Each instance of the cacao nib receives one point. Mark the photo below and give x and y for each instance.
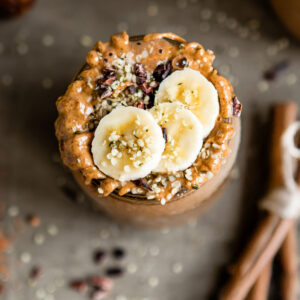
(140, 73)
(118, 253)
(274, 71)
(109, 81)
(99, 256)
(35, 273)
(139, 104)
(101, 282)
(142, 182)
(104, 82)
(109, 72)
(79, 286)
(33, 220)
(109, 76)
(104, 93)
(236, 107)
(164, 132)
(162, 71)
(146, 88)
(98, 294)
(114, 271)
(151, 102)
(131, 89)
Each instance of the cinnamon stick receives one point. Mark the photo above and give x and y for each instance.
(272, 229)
(261, 287)
(289, 260)
(260, 290)
(289, 263)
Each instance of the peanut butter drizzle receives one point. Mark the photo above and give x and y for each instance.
(76, 105)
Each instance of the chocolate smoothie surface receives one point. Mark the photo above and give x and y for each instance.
(128, 71)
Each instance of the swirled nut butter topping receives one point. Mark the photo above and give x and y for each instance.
(146, 115)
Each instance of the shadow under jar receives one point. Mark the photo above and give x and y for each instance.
(189, 202)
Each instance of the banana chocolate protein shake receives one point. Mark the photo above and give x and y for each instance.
(149, 128)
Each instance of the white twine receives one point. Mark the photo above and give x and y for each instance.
(285, 201)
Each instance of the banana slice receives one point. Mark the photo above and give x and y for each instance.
(127, 144)
(197, 93)
(183, 134)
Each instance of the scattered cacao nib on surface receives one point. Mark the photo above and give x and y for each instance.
(11, 8)
(114, 271)
(131, 89)
(274, 71)
(79, 286)
(118, 253)
(33, 220)
(35, 273)
(140, 73)
(164, 132)
(98, 294)
(101, 282)
(139, 104)
(162, 71)
(99, 256)
(236, 107)
(142, 182)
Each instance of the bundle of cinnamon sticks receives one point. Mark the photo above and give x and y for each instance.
(274, 235)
